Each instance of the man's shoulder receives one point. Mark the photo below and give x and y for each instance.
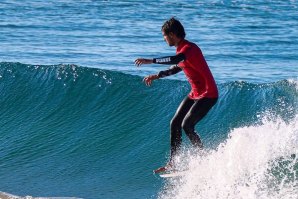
(189, 46)
(192, 44)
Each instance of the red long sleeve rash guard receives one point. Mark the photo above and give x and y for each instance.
(190, 59)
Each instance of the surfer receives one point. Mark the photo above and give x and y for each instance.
(203, 95)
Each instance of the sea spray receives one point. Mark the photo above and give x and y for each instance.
(258, 161)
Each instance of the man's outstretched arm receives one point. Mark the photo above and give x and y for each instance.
(171, 71)
(170, 59)
(163, 60)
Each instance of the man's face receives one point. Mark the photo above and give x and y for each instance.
(169, 38)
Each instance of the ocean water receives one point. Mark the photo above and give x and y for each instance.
(77, 121)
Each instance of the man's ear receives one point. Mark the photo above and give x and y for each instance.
(172, 35)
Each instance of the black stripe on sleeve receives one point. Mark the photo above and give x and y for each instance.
(170, 59)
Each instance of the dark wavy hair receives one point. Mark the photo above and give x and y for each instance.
(173, 25)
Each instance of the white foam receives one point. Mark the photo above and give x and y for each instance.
(254, 162)
(294, 82)
(4, 195)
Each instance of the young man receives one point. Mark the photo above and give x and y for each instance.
(203, 95)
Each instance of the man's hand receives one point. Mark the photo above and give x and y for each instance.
(141, 61)
(148, 80)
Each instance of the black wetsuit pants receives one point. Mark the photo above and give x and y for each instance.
(188, 114)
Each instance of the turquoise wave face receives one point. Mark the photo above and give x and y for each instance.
(84, 132)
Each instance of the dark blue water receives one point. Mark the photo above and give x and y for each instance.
(242, 40)
(76, 119)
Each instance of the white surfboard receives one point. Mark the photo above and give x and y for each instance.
(173, 174)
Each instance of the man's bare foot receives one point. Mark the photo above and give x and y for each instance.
(168, 167)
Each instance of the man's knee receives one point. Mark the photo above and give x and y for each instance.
(187, 126)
